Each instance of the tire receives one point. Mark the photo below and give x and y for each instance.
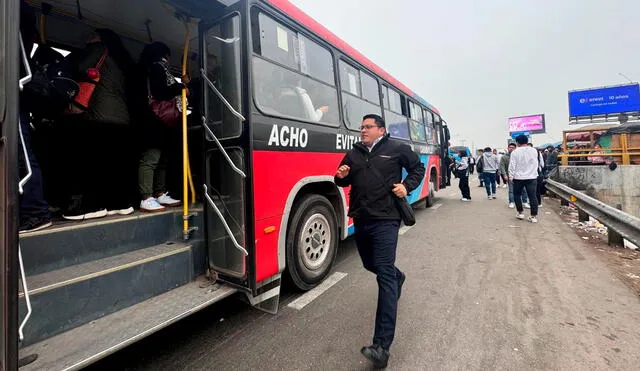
(430, 200)
(312, 241)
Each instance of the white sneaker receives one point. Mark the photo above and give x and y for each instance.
(494, 196)
(151, 205)
(504, 186)
(488, 197)
(520, 216)
(526, 205)
(533, 219)
(126, 211)
(465, 199)
(166, 200)
(511, 205)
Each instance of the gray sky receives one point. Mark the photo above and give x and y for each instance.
(481, 62)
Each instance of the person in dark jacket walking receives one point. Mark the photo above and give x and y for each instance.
(377, 220)
(161, 85)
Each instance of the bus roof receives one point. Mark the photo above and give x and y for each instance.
(300, 16)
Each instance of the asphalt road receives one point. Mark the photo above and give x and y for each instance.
(484, 291)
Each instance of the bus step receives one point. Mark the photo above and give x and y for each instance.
(70, 243)
(93, 341)
(74, 295)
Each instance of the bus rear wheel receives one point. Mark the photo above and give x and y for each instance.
(312, 241)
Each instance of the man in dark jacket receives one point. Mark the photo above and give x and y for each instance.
(377, 220)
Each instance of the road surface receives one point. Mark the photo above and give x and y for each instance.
(484, 291)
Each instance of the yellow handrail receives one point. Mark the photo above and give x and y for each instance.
(185, 150)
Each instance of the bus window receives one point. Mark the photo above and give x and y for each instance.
(226, 56)
(429, 124)
(356, 102)
(396, 122)
(415, 123)
(370, 90)
(293, 76)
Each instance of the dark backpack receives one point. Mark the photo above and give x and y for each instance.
(480, 164)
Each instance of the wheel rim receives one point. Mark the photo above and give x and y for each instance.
(315, 241)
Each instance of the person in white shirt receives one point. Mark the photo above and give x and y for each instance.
(525, 165)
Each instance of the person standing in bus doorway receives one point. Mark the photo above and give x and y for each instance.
(161, 85)
(373, 169)
(34, 210)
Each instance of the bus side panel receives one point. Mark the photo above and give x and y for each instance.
(275, 174)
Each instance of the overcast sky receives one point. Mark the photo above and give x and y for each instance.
(481, 62)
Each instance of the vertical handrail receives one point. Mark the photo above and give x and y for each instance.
(23, 277)
(185, 149)
(27, 300)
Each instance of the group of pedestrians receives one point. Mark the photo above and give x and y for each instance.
(521, 169)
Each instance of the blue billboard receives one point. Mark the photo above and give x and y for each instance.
(602, 101)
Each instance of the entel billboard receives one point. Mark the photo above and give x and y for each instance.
(604, 101)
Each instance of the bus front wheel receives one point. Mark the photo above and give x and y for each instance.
(312, 241)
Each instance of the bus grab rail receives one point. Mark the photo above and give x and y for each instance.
(626, 225)
(25, 80)
(224, 152)
(224, 222)
(222, 98)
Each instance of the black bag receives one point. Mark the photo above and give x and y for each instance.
(402, 204)
(480, 164)
(52, 87)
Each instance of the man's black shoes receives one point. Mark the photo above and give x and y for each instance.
(377, 355)
(400, 283)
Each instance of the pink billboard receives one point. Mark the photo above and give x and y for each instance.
(533, 124)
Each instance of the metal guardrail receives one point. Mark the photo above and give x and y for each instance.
(625, 225)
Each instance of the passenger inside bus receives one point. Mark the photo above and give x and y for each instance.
(34, 210)
(97, 145)
(156, 135)
(92, 155)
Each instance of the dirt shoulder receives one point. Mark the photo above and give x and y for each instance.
(624, 262)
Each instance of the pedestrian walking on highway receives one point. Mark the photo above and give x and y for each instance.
(489, 169)
(504, 171)
(462, 172)
(373, 169)
(478, 163)
(524, 168)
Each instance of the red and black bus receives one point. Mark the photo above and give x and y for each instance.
(281, 100)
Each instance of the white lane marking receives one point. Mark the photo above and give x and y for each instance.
(436, 206)
(404, 229)
(310, 296)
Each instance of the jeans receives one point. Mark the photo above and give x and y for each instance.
(152, 173)
(489, 182)
(32, 203)
(377, 241)
(531, 186)
(464, 187)
(525, 199)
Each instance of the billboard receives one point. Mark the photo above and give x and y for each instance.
(533, 124)
(604, 101)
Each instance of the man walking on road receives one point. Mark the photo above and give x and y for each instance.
(504, 171)
(373, 169)
(525, 166)
(489, 169)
